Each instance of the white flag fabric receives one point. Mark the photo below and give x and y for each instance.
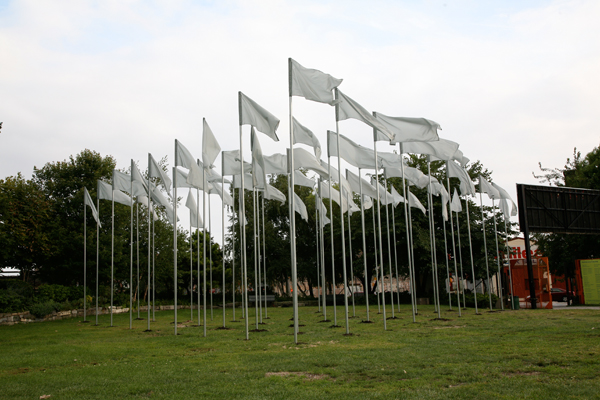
(347, 108)
(414, 202)
(210, 146)
(438, 189)
(276, 164)
(302, 180)
(139, 183)
(258, 163)
(410, 129)
(442, 149)
(237, 181)
(121, 181)
(87, 201)
(324, 221)
(300, 207)
(106, 192)
(274, 194)
(504, 195)
(311, 84)
(156, 172)
(225, 196)
(385, 159)
(411, 174)
(367, 202)
(183, 158)
(455, 171)
(303, 159)
(144, 201)
(354, 182)
(335, 175)
(182, 180)
(383, 199)
(505, 208)
(486, 187)
(253, 114)
(396, 196)
(230, 161)
(195, 219)
(158, 198)
(355, 154)
(305, 136)
(335, 196)
(455, 205)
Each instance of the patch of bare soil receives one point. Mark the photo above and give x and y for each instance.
(306, 375)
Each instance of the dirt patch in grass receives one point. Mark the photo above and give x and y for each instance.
(306, 375)
(521, 373)
(449, 327)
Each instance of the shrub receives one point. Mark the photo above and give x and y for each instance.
(15, 295)
(40, 310)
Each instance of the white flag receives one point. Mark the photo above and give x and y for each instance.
(485, 187)
(225, 196)
(410, 129)
(121, 181)
(230, 161)
(335, 175)
(441, 149)
(414, 202)
(144, 201)
(455, 205)
(383, 199)
(300, 207)
(311, 84)
(253, 114)
(367, 202)
(305, 136)
(504, 195)
(303, 159)
(87, 201)
(367, 188)
(237, 181)
(348, 108)
(355, 154)
(258, 163)
(158, 198)
(302, 180)
(156, 172)
(411, 174)
(274, 194)
(182, 178)
(105, 192)
(396, 196)
(139, 183)
(335, 196)
(276, 164)
(210, 146)
(455, 171)
(190, 203)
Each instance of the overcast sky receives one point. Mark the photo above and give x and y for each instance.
(514, 82)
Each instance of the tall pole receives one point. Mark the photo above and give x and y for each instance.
(453, 246)
(131, 262)
(379, 228)
(322, 241)
(205, 188)
(292, 211)
(233, 250)
(512, 306)
(412, 256)
(364, 241)
(191, 270)
(243, 214)
(97, 253)
(408, 237)
(351, 255)
(258, 259)
(387, 224)
(460, 260)
(153, 272)
(137, 244)
(318, 240)
(85, 263)
(436, 286)
(487, 269)
(210, 257)
(149, 244)
(255, 255)
(198, 253)
(471, 252)
(331, 236)
(223, 243)
(264, 254)
(112, 257)
(175, 241)
(499, 279)
(376, 259)
(396, 256)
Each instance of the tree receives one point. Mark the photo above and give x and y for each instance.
(24, 221)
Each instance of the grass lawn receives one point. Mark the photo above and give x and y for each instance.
(537, 354)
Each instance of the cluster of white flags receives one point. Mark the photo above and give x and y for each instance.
(411, 135)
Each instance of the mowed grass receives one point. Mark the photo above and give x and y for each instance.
(535, 354)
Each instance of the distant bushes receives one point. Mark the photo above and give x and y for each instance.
(18, 296)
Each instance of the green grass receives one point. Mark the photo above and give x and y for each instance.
(535, 354)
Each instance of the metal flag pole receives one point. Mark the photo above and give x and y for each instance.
(453, 245)
(112, 256)
(396, 257)
(204, 185)
(131, 260)
(242, 217)
(210, 264)
(436, 286)
(153, 272)
(191, 270)
(499, 279)
(471, 252)
(343, 233)
(387, 224)
(223, 243)
(198, 253)
(233, 249)
(149, 244)
(322, 242)
(447, 263)
(137, 244)
(318, 239)
(408, 236)
(364, 241)
(379, 227)
(255, 255)
(376, 258)
(460, 260)
(331, 236)
(85, 263)
(292, 211)
(485, 246)
(412, 256)
(175, 281)
(258, 258)
(264, 254)
(97, 252)
(350, 253)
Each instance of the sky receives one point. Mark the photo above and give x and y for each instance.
(513, 82)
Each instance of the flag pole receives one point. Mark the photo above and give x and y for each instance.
(485, 243)
(318, 243)
(292, 210)
(387, 224)
(460, 260)
(255, 255)
(376, 259)
(350, 254)
(97, 251)
(379, 227)
(331, 237)
(243, 210)
(137, 243)
(264, 254)
(131, 259)
(412, 257)
(84, 260)
(204, 186)
(342, 230)
(112, 255)
(499, 279)
(191, 270)
(453, 244)
(434, 271)
(408, 235)
(210, 264)
(175, 282)
(512, 306)
(223, 242)
(233, 248)
(322, 241)
(198, 285)
(396, 256)
(364, 241)
(150, 210)
(258, 258)
(471, 252)
(153, 272)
